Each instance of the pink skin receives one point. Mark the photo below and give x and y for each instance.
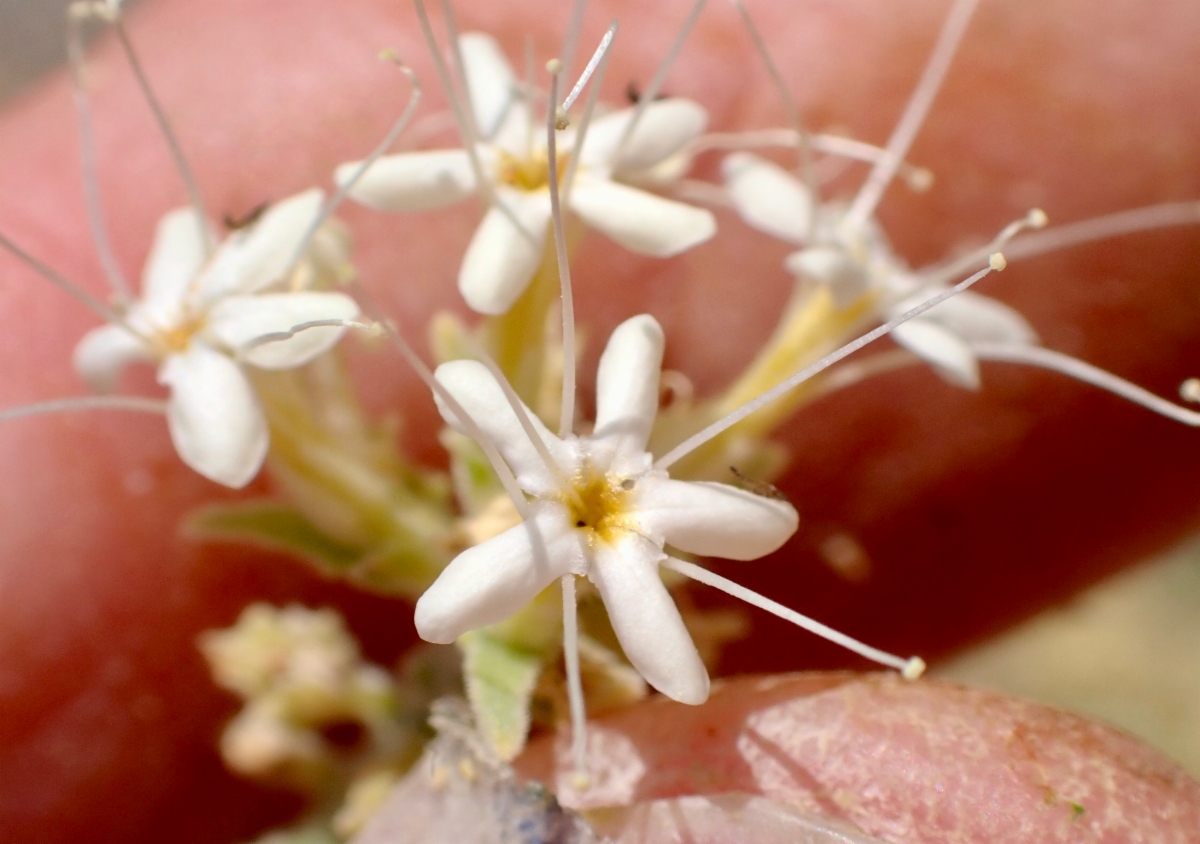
(975, 509)
(929, 762)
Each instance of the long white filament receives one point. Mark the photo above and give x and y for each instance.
(721, 425)
(651, 91)
(855, 372)
(1099, 228)
(164, 125)
(87, 299)
(300, 328)
(917, 178)
(571, 41)
(589, 108)
(574, 679)
(518, 408)
(906, 130)
(406, 116)
(137, 404)
(462, 120)
(938, 275)
(597, 57)
(76, 15)
(911, 668)
(1087, 373)
(501, 468)
(459, 65)
(807, 172)
(566, 423)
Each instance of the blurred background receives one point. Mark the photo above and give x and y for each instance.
(1126, 651)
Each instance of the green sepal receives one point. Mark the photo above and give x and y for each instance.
(272, 525)
(402, 566)
(500, 679)
(475, 483)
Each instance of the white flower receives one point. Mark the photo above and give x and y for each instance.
(857, 260)
(200, 320)
(501, 258)
(602, 511)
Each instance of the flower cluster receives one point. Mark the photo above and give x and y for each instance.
(243, 330)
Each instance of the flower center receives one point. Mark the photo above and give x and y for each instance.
(174, 339)
(528, 174)
(598, 503)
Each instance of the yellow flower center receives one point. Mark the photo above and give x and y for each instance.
(599, 503)
(176, 338)
(528, 174)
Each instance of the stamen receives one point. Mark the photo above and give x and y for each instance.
(571, 41)
(91, 302)
(854, 372)
(911, 668)
(518, 408)
(597, 57)
(806, 172)
(502, 470)
(1189, 390)
(937, 275)
(1110, 225)
(459, 65)
(567, 417)
(331, 205)
(721, 425)
(574, 680)
(1088, 374)
(76, 15)
(133, 403)
(280, 336)
(918, 179)
(466, 127)
(589, 108)
(914, 113)
(466, 123)
(164, 126)
(651, 93)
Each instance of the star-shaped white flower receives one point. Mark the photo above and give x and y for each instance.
(502, 258)
(599, 509)
(853, 260)
(200, 320)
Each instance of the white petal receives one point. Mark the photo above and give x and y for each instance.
(103, 353)
(665, 128)
(490, 80)
(252, 258)
(473, 386)
(489, 582)
(214, 417)
(175, 259)
(412, 181)
(646, 620)
(627, 382)
(640, 221)
(980, 319)
(846, 278)
(768, 197)
(501, 259)
(716, 520)
(236, 322)
(948, 353)
(514, 134)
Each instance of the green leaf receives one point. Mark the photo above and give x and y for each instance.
(500, 679)
(475, 484)
(274, 526)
